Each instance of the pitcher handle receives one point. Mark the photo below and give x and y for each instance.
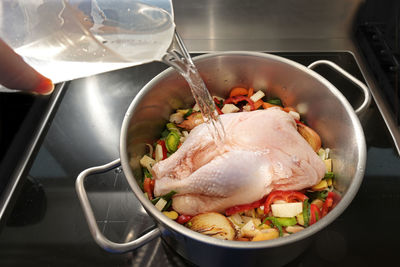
(354, 80)
(100, 239)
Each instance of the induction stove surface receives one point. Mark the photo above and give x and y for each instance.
(85, 133)
(23, 120)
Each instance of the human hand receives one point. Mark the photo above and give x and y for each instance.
(16, 74)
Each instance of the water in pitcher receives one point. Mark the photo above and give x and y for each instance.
(70, 39)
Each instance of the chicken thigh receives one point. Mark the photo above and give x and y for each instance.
(262, 152)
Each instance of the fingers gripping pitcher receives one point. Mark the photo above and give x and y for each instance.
(69, 39)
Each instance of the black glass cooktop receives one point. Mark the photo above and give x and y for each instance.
(23, 119)
(46, 226)
(13, 110)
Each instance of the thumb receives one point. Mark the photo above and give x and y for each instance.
(15, 73)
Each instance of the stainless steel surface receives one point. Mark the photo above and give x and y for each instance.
(98, 236)
(328, 112)
(277, 26)
(367, 96)
(272, 25)
(268, 20)
(381, 103)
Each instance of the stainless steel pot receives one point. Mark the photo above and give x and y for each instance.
(323, 107)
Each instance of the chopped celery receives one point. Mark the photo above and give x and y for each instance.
(172, 141)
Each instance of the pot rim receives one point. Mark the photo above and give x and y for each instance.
(307, 232)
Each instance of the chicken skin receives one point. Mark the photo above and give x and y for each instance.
(262, 152)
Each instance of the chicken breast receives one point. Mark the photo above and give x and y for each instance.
(262, 152)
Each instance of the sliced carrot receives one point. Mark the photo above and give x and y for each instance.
(238, 91)
(251, 92)
(268, 105)
(258, 104)
(288, 109)
(147, 186)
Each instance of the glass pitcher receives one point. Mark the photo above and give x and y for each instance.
(69, 39)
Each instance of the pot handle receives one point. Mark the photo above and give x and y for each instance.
(100, 239)
(354, 80)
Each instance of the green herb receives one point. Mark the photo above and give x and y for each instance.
(147, 173)
(167, 205)
(219, 103)
(155, 200)
(189, 224)
(275, 101)
(318, 194)
(167, 197)
(279, 229)
(306, 212)
(164, 134)
(188, 113)
(330, 175)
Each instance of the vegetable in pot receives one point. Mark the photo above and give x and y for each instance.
(281, 212)
(288, 196)
(172, 141)
(213, 224)
(275, 101)
(310, 135)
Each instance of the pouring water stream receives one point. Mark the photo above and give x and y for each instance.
(178, 57)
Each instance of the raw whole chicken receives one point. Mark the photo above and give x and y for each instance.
(262, 152)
